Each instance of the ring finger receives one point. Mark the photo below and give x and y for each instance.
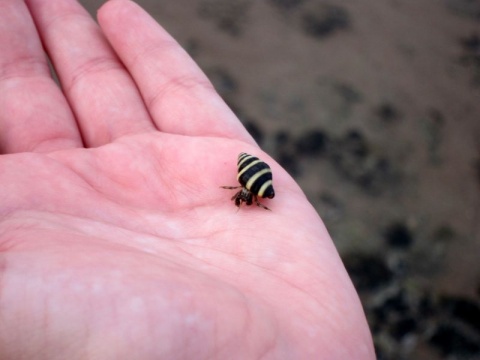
(34, 115)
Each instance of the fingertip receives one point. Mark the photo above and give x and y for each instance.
(112, 6)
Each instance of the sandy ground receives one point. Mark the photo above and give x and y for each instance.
(374, 107)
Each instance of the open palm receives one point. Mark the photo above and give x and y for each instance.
(116, 240)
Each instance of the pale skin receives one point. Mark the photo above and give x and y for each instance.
(116, 240)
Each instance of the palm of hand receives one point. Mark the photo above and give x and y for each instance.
(138, 229)
(131, 250)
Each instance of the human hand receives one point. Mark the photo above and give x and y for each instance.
(116, 241)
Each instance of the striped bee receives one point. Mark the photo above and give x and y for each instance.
(255, 178)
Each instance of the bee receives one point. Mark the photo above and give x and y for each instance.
(255, 178)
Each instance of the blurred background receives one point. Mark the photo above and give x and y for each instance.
(374, 108)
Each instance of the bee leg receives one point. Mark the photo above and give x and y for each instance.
(235, 197)
(238, 203)
(231, 187)
(261, 205)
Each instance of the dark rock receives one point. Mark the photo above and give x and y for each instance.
(403, 327)
(325, 21)
(426, 306)
(285, 154)
(289, 162)
(465, 310)
(375, 176)
(352, 157)
(254, 129)
(228, 16)
(368, 272)
(450, 340)
(396, 304)
(387, 112)
(398, 235)
(282, 138)
(354, 143)
(312, 143)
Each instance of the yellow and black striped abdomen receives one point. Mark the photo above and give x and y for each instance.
(255, 175)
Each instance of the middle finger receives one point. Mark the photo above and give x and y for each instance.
(101, 93)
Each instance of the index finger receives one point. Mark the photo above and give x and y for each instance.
(178, 95)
